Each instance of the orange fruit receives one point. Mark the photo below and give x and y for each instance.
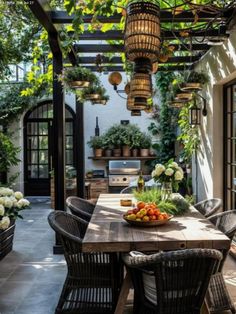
(140, 205)
(145, 218)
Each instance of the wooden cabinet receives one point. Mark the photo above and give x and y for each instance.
(97, 186)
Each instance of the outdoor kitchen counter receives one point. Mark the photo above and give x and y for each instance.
(108, 232)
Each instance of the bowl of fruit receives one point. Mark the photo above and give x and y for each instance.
(146, 215)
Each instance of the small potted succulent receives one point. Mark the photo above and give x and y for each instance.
(97, 143)
(79, 77)
(145, 144)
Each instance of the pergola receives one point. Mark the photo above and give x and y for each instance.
(51, 20)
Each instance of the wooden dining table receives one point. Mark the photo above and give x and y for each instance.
(109, 232)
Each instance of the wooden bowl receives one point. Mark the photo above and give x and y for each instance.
(152, 223)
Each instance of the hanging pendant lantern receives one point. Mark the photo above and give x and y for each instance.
(141, 86)
(138, 105)
(194, 115)
(142, 31)
(135, 113)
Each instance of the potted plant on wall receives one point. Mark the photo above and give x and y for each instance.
(195, 81)
(113, 134)
(97, 143)
(78, 77)
(126, 133)
(145, 144)
(108, 146)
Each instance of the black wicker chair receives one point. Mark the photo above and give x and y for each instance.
(209, 207)
(171, 282)
(218, 298)
(80, 207)
(93, 280)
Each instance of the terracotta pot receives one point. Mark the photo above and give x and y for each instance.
(144, 152)
(126, 152)
(108, 152)
(117, 152)
(135, 152)
(98, 152)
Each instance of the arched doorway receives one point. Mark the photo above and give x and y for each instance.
(38, 144)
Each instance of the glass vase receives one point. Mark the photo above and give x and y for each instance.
(166, 191)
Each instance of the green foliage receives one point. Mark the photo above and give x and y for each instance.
(96, 142)
(164, 124)
(197, 77)
(12, 103)
(79, 74)
(176, 205)
(8, 153)
(145, 141)
(92, 90)
(189, 135)
(149, 196)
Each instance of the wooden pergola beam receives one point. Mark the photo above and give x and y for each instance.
(61, 17)
(88, 48)
(166, 35)
(119, 68)
(118, 60)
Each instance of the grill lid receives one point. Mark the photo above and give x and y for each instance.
(124, 166)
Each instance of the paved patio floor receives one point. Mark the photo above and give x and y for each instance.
(31, 277)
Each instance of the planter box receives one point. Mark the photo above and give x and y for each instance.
(6, 240)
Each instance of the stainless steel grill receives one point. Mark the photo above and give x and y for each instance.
(122, 172)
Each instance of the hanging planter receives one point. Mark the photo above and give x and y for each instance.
(184, 96)
(195, 82)
(96, 94)
(78, 77)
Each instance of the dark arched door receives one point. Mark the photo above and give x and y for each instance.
(38, 144)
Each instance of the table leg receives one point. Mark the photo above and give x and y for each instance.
(204, 309)
(126, 285)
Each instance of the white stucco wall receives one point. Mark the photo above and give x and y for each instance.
(112, 113)
(220, 64)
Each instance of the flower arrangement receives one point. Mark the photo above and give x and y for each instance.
(169, 172)
(11, 203)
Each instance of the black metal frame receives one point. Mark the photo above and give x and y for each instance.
(225, 145)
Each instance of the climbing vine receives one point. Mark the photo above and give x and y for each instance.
(164, 124)
(189, 135)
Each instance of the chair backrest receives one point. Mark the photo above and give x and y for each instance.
(80, 203)
(70, 228)
(173, 282)
(80, 207)
(225, 222)
(209, 207)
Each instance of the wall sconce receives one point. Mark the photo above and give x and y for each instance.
(195, 111)
(115, 78)
(194, 115)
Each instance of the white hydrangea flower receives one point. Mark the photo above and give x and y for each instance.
(18, 195)
(2, 200)
(8, 202)
(179, 175)
(2, 210)
(159, 169)
(4, 223)
(6, 192)
(174, 165)
(22, 203)
(169, 172)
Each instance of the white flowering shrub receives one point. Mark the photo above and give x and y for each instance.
(11, 203)
(169, 172)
